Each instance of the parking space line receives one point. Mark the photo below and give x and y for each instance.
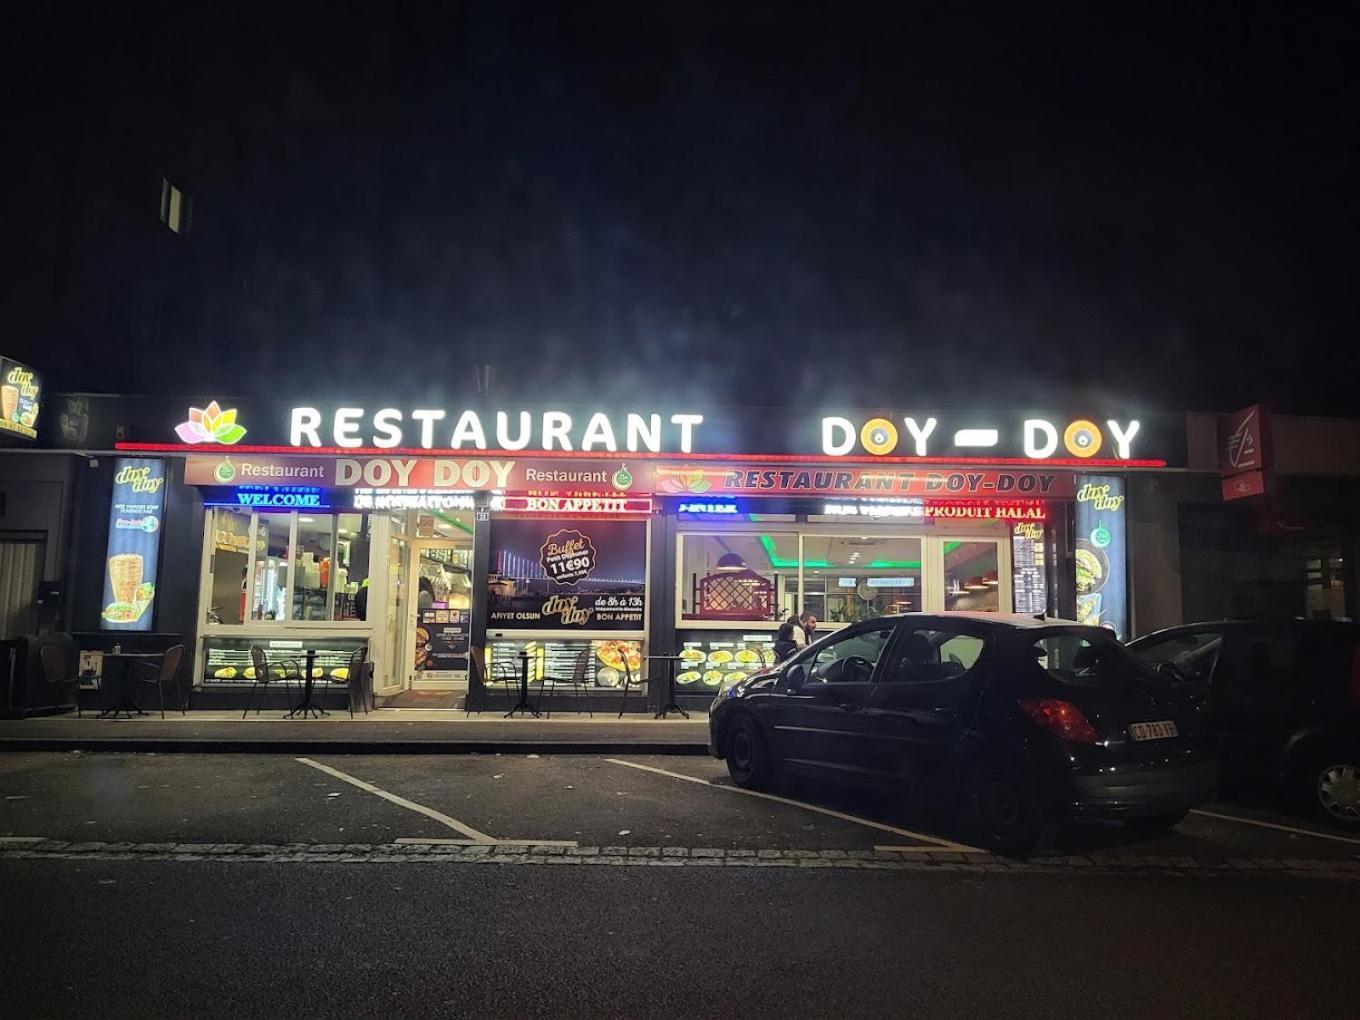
(416, 840)
(940, 844)
(15, 840)
(1276, 826)
(438, 816)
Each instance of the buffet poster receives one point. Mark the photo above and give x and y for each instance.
(1101, 554)
(135, 518)
(578, 574)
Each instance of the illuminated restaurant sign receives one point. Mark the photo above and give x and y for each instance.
(20, 396)
(136, 514)
(793, 480)
(576, 505)
(923, 436)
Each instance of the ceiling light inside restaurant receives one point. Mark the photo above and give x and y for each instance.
(730, 561)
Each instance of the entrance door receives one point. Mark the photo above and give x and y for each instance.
(439, 612)
(20, 567)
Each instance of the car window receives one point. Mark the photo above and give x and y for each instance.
(849, 659)
(1096, 660)
(935, 654)
(1193, 653)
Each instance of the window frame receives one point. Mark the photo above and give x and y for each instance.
(846, 633)
(954, 628)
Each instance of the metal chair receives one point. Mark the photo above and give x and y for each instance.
(628, 683)
(263, 676)
(58, 674)
(577, 682)
(161, 673)
(505, 675)
(356, 679)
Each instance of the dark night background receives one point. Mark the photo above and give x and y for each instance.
(741, 202)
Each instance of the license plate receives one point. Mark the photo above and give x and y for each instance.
(1153, 730)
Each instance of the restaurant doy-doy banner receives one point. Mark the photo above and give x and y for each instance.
(135, 518)
(1101, 553)
(616, 476)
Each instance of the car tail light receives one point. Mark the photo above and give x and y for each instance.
(1061, 718)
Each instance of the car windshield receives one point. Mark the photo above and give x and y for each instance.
(1087, 658)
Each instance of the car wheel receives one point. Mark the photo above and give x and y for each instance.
(1158, 823)
(1003, 811)
(1334, 781)
(748, 756)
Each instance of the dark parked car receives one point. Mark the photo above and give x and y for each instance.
(1017, 721)
(1279, 701)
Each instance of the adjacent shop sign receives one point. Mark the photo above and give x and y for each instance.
(1029, 578)
(1245, 452)
(1244, 486)
(1101, 553)
(135, 518)
(926, 435)
(794, 480)
(581, 577)
(20, 397)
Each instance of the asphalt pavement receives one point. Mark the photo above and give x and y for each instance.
(282, 885)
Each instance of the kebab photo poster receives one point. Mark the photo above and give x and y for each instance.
(1101, 574)
(134, 543)
(567, 574)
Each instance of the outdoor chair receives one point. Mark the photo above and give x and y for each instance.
(161, 673)
(577, 683)
(288, 670)
(629, 682)
(356, 679)
(59, 675)
(506, 677)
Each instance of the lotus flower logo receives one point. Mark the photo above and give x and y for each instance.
(211, 424)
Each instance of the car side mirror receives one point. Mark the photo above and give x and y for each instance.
(794, 677)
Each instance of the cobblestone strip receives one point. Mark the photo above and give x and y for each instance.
(678, 856)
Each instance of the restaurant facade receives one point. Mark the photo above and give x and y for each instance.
(583, 538)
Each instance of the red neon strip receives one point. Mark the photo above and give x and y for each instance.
(744, 458)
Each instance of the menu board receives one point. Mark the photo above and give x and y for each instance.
(135, 518)
(227, 659)
(442, 637)
(559, 575)
(20, 397)
(1029, 580)
(608, 662)
(1101, 553)
(713, 659)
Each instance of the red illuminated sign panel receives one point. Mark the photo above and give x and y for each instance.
(610, 505)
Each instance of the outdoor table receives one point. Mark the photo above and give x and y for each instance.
(670, 705)
(524, 705)
(305, 706)
(122, 682)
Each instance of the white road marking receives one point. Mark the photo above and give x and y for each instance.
(941, 844)
(957, 848)
(21, 839)
(1273, 825)
(421, 809)
(415, 840)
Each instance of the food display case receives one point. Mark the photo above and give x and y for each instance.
(606, 662)
(226, 660)
(712, 658)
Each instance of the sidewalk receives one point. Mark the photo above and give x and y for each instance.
(385, 731)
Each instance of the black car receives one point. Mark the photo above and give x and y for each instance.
(1280, 702)
(1018, 721)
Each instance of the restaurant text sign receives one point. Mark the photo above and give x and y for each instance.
(856, 481)
(20, 395)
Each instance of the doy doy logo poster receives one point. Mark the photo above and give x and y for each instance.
(1102, 576)
(134, 543)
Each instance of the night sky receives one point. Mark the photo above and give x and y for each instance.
(755, 203)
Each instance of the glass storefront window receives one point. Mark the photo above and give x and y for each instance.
(713, 658)
(847, 578)
(272, 540)
(301, 567)
(229, 535)
(738, 576)
(971, 580)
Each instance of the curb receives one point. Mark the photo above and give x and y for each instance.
(292, 745)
